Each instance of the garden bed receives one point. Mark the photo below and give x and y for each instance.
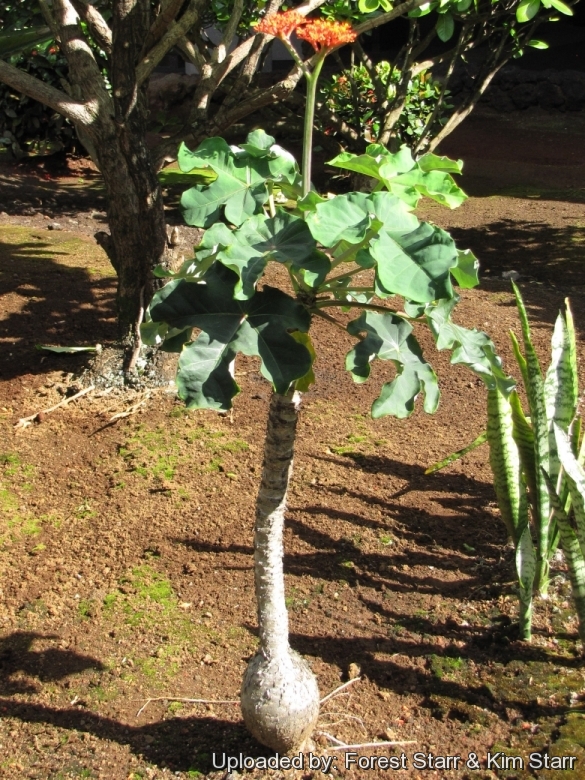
(126, 559)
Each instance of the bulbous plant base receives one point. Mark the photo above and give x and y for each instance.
(280, 701)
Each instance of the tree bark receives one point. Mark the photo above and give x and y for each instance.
(280, 697)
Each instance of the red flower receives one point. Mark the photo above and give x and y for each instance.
(326, 34)
(280, 25)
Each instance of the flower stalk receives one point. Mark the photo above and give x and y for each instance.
(324, 36)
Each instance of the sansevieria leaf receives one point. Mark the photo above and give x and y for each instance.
(576, 481)
(526, 568)
(540, 426)
(505, 464)
(574, 550)
(561, 384)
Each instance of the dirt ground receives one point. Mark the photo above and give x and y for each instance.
(126, 577)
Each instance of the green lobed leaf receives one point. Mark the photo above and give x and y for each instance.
(349, 217)
(284, 238)
(416, 264)
(433, 162)
(374, 159)
(389, 337)
(258, 143)
(240, 187)
(471, 348)
(258, 326)
(465, 272)
(437, 185)
(305, 382)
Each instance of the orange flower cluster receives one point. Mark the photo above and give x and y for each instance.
(326, 34)
(281, 25)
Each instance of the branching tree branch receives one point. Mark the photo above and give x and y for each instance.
(36, 89)
(96, 23)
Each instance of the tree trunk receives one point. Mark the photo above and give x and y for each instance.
(135, 211)
(280, 697)
(138, 238)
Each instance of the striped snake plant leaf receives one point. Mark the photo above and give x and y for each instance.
(505, 464)
(573, 551)
(574, 433)
(524, 438)
(519, 358)
(560, 385)
(575, 476)
(481, 439)
(526, 569)
(536, 402)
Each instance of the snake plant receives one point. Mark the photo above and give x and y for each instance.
(524, 455)
(567, 499)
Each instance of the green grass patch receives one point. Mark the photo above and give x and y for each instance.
(446, 666)
(25, 248)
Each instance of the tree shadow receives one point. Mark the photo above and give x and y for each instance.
(18, 661)
(445, 697)
(51, 298)
(199, 743)
(179, 744)
(463, 539)
(179, 738)
(539, 252)
(41, 189)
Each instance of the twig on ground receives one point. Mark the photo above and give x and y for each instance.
(344, 718)
(339, 745)
(133, 409)
(24, 422)
(338, 690)
(188, 701)
(331, 738)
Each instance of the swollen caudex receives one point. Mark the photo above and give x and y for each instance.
(280, 700)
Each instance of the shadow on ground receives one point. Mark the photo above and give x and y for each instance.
(57, 289)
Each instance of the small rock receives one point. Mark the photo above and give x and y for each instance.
(40, 417)
(174, 237)
(54, 226)
(353, 671)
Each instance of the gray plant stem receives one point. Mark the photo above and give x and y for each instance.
(280, 696)
(268, 534)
